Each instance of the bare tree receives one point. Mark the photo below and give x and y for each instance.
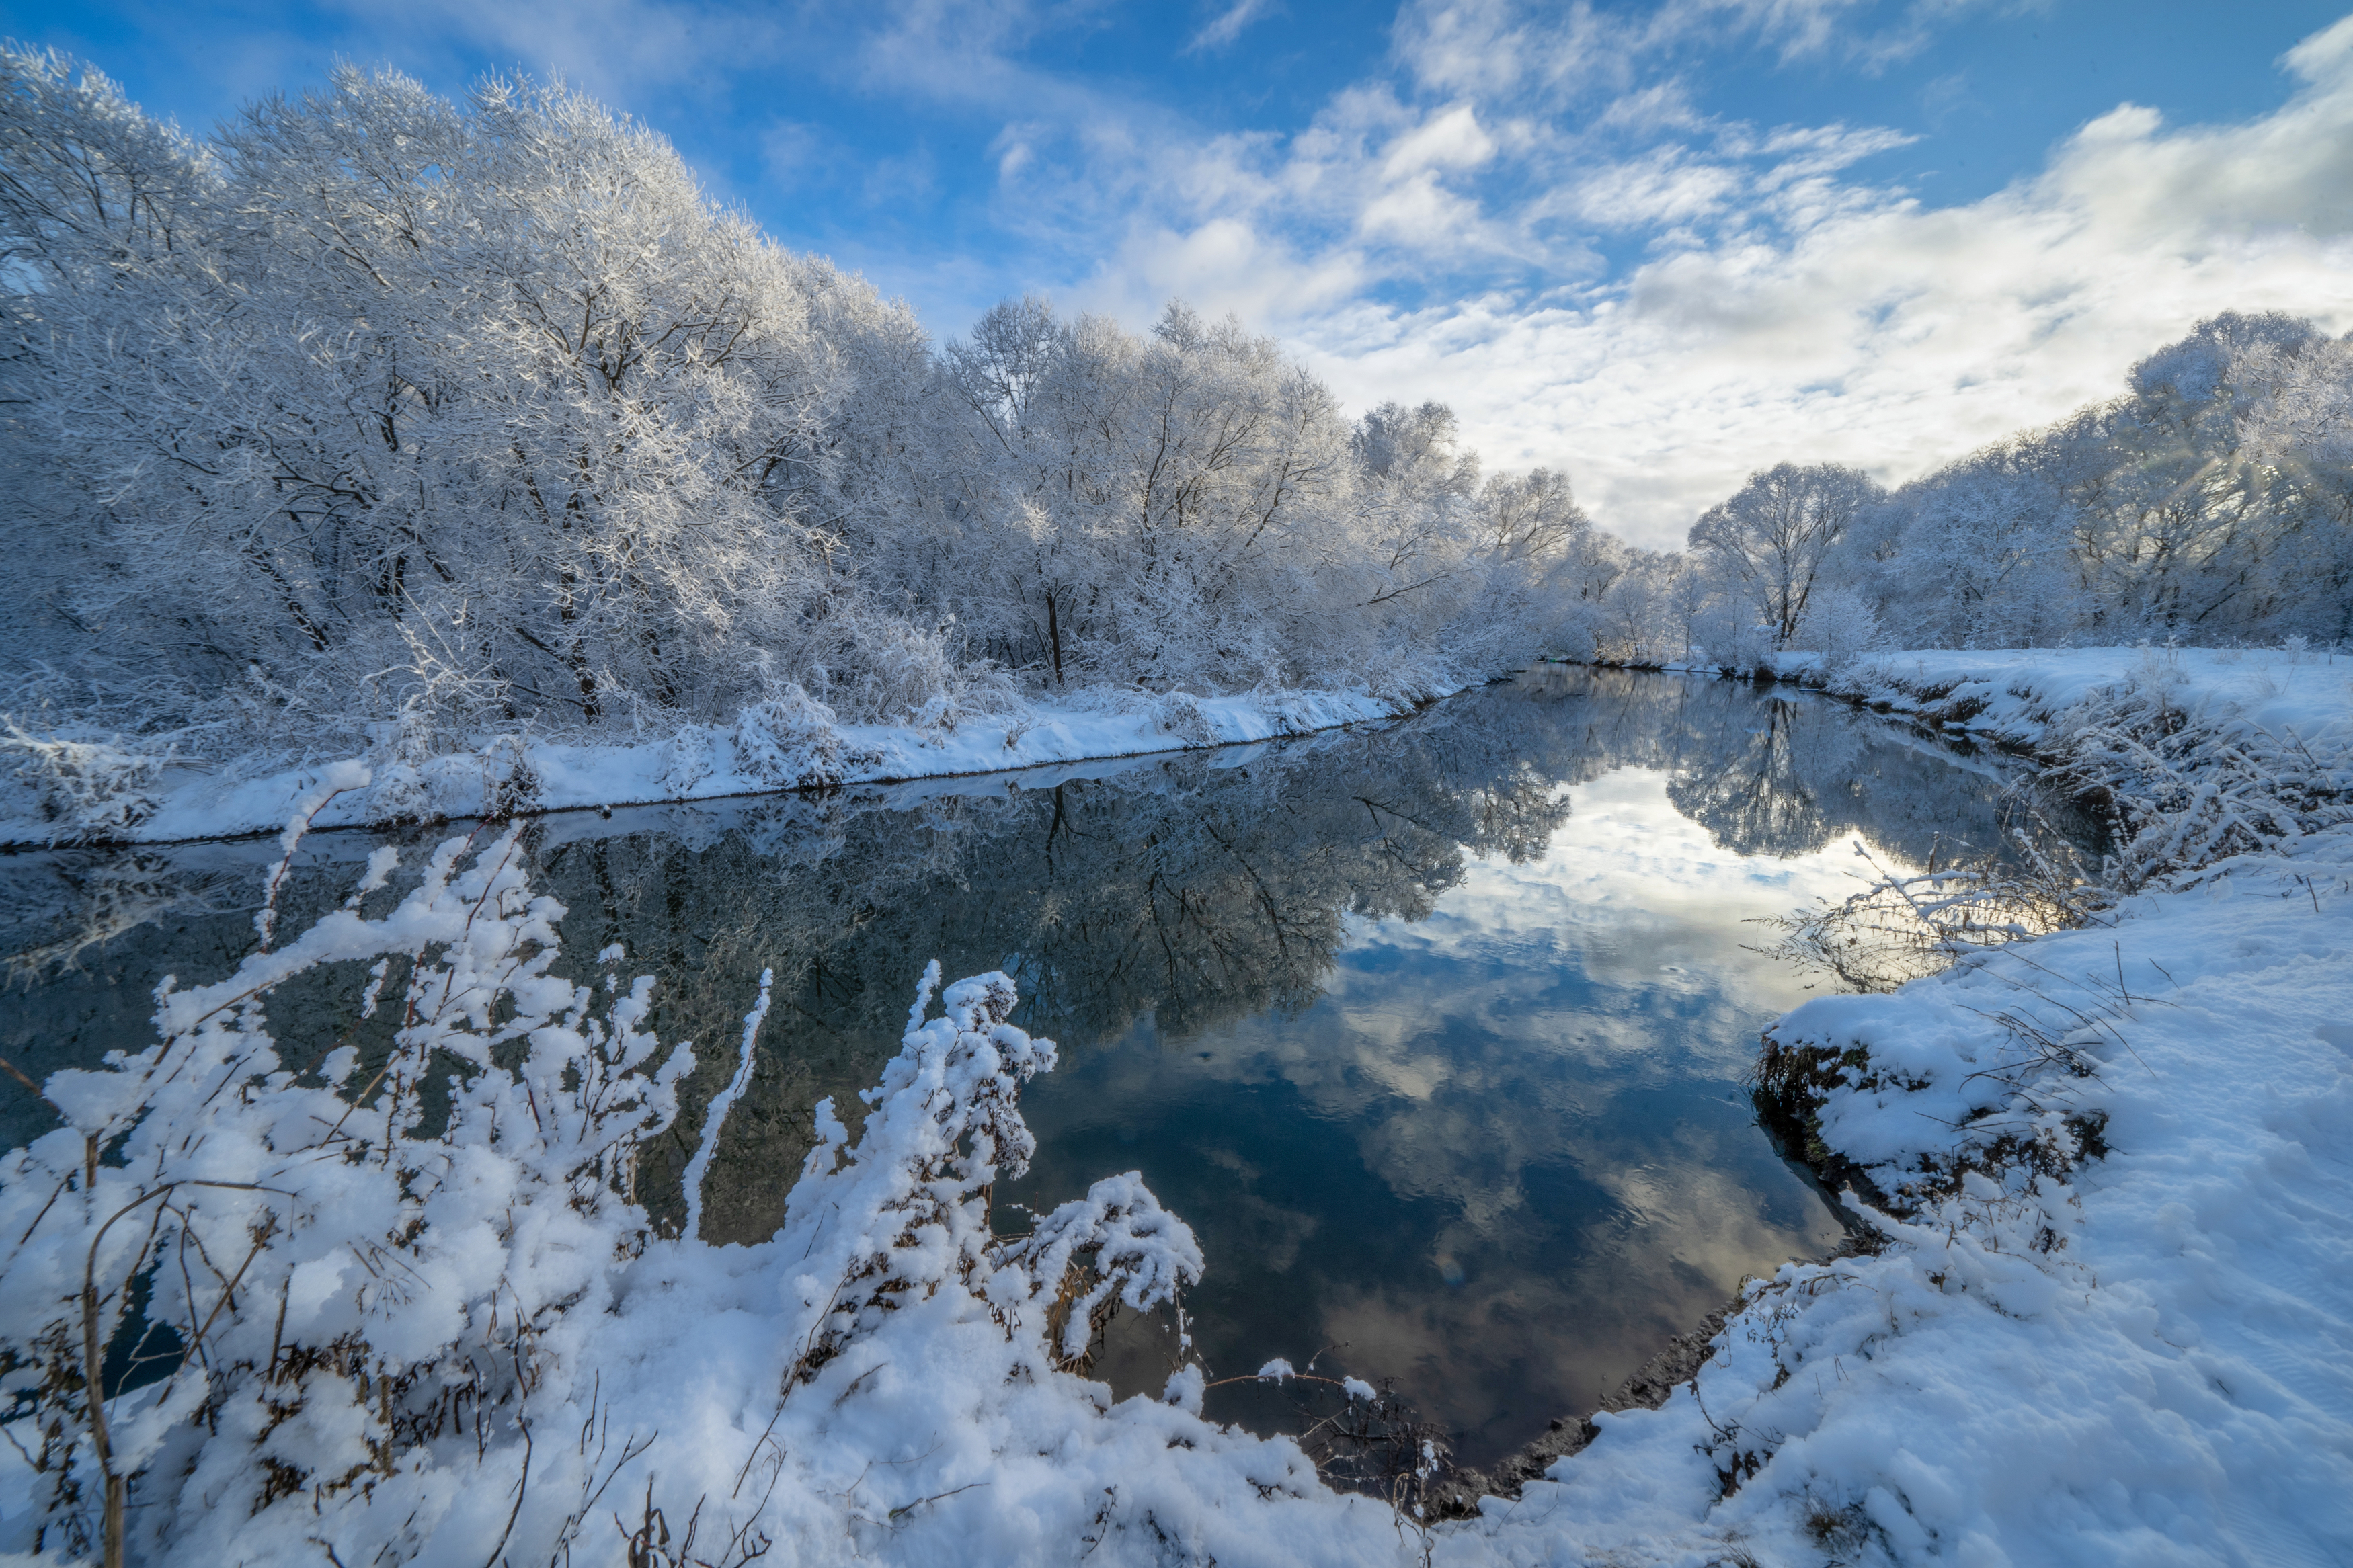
(1774, 535)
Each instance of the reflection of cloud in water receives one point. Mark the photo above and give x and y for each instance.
(1635, 893)
(1536, 1083)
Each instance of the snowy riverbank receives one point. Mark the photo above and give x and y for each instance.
(2144, 1357)
(2116, 1322)
(2011, 696)
(776, 745)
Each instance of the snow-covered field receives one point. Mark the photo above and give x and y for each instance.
(2114, 1323)
(771, 746)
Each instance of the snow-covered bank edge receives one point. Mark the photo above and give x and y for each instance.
(2011, 697)
(2112, 1320)
(786, 743)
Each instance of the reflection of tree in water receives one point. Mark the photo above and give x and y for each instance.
(1776, 775)
(1194, 891)
(1758, 791)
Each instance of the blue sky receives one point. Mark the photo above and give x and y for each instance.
(1656, 246)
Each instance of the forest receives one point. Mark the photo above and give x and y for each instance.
(2210, 504)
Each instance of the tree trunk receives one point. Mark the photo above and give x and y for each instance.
(1054, 635)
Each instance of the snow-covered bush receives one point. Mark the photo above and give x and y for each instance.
(787, 739)
(1838, 624)
(392, 1276)
(1180, 713)
(86, 788)
(359, 1262)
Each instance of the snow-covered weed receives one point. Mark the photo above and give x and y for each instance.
(2188, 784)
(385, 1276)
(86, 788)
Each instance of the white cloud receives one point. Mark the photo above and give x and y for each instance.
(1492, 47)
(1227, 26)
(1785, 310)
(1893, 334)
(1450, 139)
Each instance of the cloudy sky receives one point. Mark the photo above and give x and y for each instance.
(1658, 245)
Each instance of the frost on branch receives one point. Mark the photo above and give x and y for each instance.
(905, 1212)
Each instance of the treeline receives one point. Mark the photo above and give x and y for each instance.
(376, 421)
(2211, 503)
(379, 418)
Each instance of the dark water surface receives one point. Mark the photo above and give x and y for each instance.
(1434, 1033)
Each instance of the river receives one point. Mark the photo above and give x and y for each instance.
(1433, 1031)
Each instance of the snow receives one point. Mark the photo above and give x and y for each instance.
(707, 762)
(2012, 695)
(2171, 1382)
(2060, 1355)
(714, 1115)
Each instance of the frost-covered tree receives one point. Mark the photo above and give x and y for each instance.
(482, 407)
(1774, 535)
(2213, 503)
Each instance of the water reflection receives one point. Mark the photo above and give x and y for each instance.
(1432, 1033)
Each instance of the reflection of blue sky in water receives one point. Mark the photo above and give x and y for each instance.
(1506, 1154)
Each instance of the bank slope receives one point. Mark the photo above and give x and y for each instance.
(778, 746)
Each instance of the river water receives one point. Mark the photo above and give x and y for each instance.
(1434, 1032)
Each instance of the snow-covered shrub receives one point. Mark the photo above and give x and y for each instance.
(1288, 715)
(350, 1288)
(1726, 635)
(86, 788)
(1181, 714)
(892, 673)
(1839, 623)
(788, 740)
(1115, 1247)
(906, 1209)
(383, 1276)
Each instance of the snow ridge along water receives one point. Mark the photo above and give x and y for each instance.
(763, 750)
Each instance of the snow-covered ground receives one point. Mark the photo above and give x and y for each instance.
(2010, 695)
(771, 746)
(2114, 1322)
(2147, 1359)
